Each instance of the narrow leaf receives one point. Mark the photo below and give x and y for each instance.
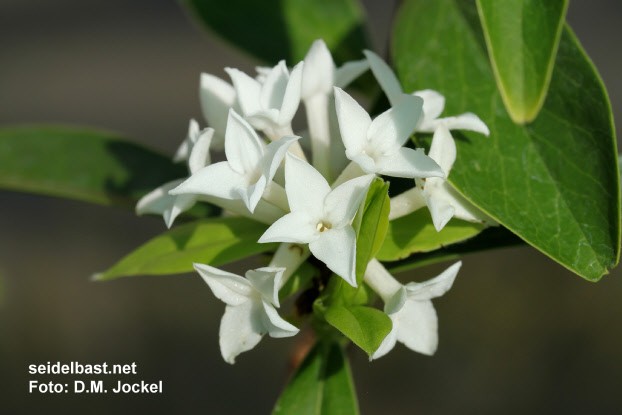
(554, 182)
(374, 225)
(522, 38)
(213, 241)
(490, 238)
(78, 163)
(284, 29)
(322, 385)
(415, 233)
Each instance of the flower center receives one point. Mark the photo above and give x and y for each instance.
(371, 153)
(321, 227)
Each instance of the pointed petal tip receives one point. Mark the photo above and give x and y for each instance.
(369, 53)
(439, 225)
(442, 220)
(98, 276)
(177, 191)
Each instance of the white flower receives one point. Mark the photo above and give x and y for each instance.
(433, 102)
(376, 146)
(195, 148)
(318, 78)
(194, 133)
(320, 216)
(250, 312)
(320, 73)
(414, 319)
(217, 97)
(443, 201)
(270, 105)
(249, 168)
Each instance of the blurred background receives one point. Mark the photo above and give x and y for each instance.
(518, 333)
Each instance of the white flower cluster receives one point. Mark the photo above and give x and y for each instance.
(266, 176)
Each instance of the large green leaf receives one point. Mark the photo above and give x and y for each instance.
(365, 326)
(85, 164)
(322, 385)
(554, 182)
(522, 38)
(284, 29)
(374, 225)
(415, 233)
(213, 241)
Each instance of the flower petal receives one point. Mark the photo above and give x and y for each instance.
(337, 249)
(291, 98)
(433, 104)
(157, 200)
(396, 301)
(306, 188)
(366, 163)
(390, 130)
(441, 208)
(385, 76)
(242, 146)
(247, 91)
(273, 88)
(341, 204)
(274, 154)
(434, 287)
(262, 73)
(353, 120)
(408, 163)
(230, 288)
(267, 281)
(338, 158)
(251, 195)
(216, 96)
(349, 71)
(463, 209)
(264, 119)
(466, 121)
(181, 204)
(318, 71)
(183, 152)
(387, 344)
(296, 227)
(443, 148)
(241, 328)
(199, 155)
(218, 180)
(277, 327)
(417, 326)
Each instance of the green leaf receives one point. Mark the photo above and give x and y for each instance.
(284, 29)
(322, 385)
(415, 233)
(554, 182)
(78, 163)
(490, 238)
(374, 225)
(213, 241)
(365, 326)
(522, 38)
